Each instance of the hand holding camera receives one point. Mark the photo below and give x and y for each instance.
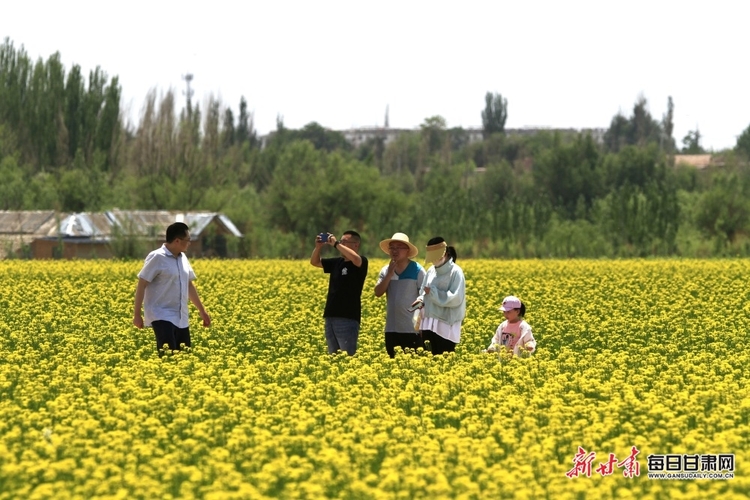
(323, 237)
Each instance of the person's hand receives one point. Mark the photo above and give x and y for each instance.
(138, 321)
(491, 349)
(206, 319)
(319, 242)
(391, 268)
(427, 290)
(417, 304)
(331, 239)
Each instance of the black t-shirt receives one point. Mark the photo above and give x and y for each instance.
(344, 288)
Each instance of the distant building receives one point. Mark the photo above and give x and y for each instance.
(596, 133)
(49, 235)
(698, 161)
(18, 229)
(359, 136)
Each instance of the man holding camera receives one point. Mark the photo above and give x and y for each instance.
(343, 310)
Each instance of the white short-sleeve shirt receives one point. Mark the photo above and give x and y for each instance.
(166, 296)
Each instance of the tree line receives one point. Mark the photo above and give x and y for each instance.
(64, 145)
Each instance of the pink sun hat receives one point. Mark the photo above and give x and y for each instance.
(510, 302)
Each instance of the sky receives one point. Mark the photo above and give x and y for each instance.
(559, 64)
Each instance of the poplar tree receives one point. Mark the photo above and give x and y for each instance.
(494, 115)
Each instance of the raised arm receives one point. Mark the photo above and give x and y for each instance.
(315, 257)
(347, 252)
(384, 279)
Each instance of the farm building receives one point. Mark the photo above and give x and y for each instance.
(18, 229)
(115, 233)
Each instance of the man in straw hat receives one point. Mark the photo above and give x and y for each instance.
(400, 280)
(343, 311)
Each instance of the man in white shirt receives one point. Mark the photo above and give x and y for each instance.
(165, 284)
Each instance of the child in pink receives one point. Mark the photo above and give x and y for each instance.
(513, 334)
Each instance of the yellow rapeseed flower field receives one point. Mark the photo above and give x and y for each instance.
(635, 359)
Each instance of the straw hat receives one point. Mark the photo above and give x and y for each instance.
(401, 238)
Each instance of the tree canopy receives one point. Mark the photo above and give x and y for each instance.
(64, 145)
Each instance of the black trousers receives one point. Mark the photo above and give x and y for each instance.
(167, 333)
(438, 345)
(403, 340)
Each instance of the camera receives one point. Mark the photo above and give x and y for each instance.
(323, 237)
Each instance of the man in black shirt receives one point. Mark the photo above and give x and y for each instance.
(343, 310)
